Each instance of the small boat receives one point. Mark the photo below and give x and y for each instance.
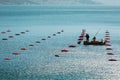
(93, 43)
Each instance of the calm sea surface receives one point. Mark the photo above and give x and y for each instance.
(38, 62)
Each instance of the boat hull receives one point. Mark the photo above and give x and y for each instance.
(93, 43)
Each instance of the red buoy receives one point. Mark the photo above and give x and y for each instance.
(7, 58)
(107, 36)
(64, 50)
(107, 41)
(16, 53)
(81, 36)
(23, 48)
(107, 44)
(80, 39)
(11, 36)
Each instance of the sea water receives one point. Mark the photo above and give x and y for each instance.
(38, 62)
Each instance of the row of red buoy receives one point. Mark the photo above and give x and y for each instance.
(81, 36)
(17, 53)
(73, 46)
(17, 34)
(4, 32)
(108, 46)
(66, 50)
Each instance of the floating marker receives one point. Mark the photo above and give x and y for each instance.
(8, 30)
(108, 48)
(112, 60)
(23, 48)
(62, 31)
(80, 39)
(17, 34)
(110, 54)
(22, 32)
(107, 36)
(31, 45)
(27, 30)
(78, 42)
(64, 50)
(54, 34)
(16, 53)
(107, 32)
(4, 39)
(72, 46)
(43, 39)
(57, 56)
(37, 41)
(107, 44)
(3, 32)
(107, 41)
(49, 37)
(7, 58)
(58, 32)
(11, 36)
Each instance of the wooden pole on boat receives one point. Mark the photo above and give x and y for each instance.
(98, 31)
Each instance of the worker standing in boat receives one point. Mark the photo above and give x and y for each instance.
(87, 37)
(94, 39)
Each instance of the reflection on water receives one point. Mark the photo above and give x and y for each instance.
(38, 62)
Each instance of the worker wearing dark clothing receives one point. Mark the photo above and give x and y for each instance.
(94, 39)
(87, 37)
